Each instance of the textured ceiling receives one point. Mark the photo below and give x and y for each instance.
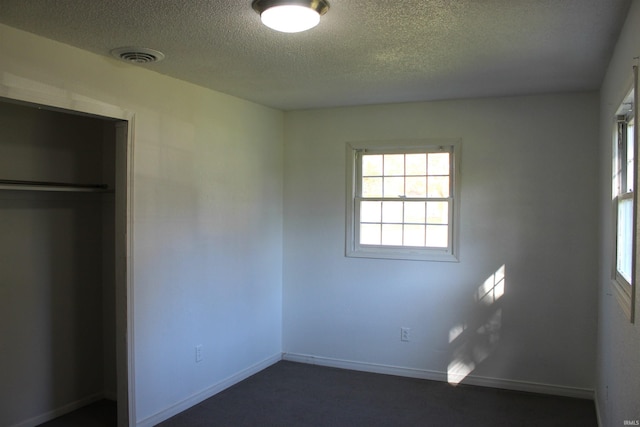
(363, 51)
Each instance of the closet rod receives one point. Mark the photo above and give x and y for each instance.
(11, 184)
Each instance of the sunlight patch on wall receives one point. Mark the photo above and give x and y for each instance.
(456, 331)
(475, 340)
(458, 370)
(490, 335)
(492, 289)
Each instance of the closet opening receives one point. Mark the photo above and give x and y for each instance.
(64, 251)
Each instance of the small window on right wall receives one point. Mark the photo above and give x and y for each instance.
(624, 176)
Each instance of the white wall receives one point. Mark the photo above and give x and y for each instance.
(527, 203)
(618, 367)
(207, 216)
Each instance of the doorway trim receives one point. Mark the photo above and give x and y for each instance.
(33, 92)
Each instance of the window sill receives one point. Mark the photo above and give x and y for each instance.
(402, 254)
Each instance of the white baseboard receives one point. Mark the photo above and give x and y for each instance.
(58, 412)
(525, 386)
(208, 392)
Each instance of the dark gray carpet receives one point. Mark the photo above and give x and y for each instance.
(292, 394)
(99, 414)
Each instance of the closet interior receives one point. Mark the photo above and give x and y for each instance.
(57, 261)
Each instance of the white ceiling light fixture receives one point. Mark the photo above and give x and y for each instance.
(290, 16)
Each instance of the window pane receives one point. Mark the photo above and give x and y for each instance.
(370, 211)
(630, 180)
(372, 165)
(438, 164)
(416, 186)
(437, 236)
(414, 235)
(438, 212)
(394, 164)
(371, 187)
(392, 234)
(438, 186)
(617, 169)
(393, 187)
(392, 212)
(625, 237)
(414, 212)
(416, 164)
(370, 234)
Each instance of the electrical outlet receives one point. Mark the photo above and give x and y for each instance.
(199, 353)
(405, 334)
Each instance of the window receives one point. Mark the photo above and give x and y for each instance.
(624, 204)
(402, 200)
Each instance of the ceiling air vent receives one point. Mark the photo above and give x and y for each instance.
(137, 55)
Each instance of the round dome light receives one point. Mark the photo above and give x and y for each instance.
(290, 16)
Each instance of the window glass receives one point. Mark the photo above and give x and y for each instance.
(371, 187)
(414, 212)
(370, 234)
(392, 234)
(438, 186)
(437, 236)
(416, 164)
(394, 165)
(393, 187)
(416, 186)
(370, 211)
(437, 212)
(624, 246)
(414, 235)
(630, 158)
(439, 163)
(372, 165)
(392, 212)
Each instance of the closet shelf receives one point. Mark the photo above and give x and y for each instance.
(9, 184)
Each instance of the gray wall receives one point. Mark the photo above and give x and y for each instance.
(527, 203)
(53, 308)
(618, 368)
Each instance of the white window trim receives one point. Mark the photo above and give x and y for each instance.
(353, 249)
(624, 291)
